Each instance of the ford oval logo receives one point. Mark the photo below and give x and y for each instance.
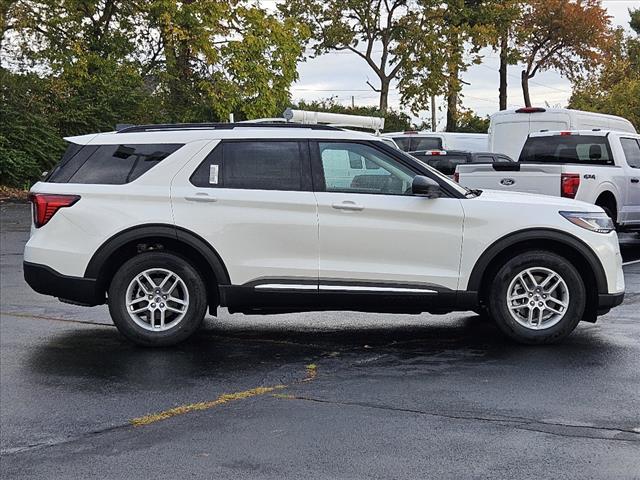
(507, 181)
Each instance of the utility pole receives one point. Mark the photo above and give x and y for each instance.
(353, 101)
(433, 113)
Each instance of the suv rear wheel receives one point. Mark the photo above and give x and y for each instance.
(537, 297)
(157, 299)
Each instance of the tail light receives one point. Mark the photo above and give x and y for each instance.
(569, 183)
(531, 110)
(456, 177)
(45, 205)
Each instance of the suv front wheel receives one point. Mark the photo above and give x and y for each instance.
(157, 299)
(537, 297)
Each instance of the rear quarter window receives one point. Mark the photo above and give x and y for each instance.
(109, 164)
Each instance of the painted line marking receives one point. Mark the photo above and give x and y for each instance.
(193, 407)
(311, 374)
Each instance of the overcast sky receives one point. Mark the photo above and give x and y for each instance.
(343, 75)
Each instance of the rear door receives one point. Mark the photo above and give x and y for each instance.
(252, 201)
(375, 236)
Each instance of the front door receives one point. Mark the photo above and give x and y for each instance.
(375, 236)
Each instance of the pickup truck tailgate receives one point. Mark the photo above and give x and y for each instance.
(516, 177)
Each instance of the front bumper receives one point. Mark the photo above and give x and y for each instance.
(47, 281)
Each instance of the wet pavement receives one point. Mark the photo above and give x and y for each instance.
(330, 395)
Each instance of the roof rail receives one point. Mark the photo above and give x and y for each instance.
(217, 126)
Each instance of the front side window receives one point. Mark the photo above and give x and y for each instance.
(254, 165)
(380, 174)
(109, 164)
(631, 147)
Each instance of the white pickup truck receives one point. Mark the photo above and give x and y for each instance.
(599, 167)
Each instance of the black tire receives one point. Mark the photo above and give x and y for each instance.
(501, 314)
(194, 313)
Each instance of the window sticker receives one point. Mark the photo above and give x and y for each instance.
(213, 174)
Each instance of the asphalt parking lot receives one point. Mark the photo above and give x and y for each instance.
(331, 395)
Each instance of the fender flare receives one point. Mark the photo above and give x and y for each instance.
(172, 232)
(475, 279)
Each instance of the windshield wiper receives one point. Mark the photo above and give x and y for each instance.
(474, 191)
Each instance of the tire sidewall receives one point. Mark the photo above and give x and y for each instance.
(505, 275)
(193, 282)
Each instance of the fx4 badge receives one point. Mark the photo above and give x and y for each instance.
(589, 176)
(507, 181)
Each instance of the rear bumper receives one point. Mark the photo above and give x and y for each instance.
(47, 281)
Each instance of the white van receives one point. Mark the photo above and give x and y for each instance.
(509, 129)
(413, 141)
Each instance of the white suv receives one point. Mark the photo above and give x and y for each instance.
(163, 222)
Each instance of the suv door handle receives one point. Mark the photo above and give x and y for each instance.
(348, 205)
(200, 197)
(635, 180)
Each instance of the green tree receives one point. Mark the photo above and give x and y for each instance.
(469, 122)
(29, 143)
(505, 14)
(441, 40)
(615, 88)
(370, 29)
(215, 58)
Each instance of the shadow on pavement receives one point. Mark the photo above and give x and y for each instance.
(220, 351)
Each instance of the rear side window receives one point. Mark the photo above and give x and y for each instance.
(580, 149)
(631, 148)
(253, 165)
(109, 164)
(482, 159)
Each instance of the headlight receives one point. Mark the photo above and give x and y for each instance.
(596, 222)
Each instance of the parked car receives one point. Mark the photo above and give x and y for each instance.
(598, 167)
(446, 161)
(165, 222)
(413, 141)
(509, 129)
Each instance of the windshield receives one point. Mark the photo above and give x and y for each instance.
(587, 149)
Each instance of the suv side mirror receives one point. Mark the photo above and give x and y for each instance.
(425, 187)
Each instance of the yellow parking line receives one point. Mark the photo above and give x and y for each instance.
(311, 370)
(192, 407)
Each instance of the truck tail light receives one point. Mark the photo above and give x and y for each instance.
(531, 110)
(456, 177)
(569, 183)
(45, 205)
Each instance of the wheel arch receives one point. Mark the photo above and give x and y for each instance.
(608, 198)
(570, 247)
(128, 243)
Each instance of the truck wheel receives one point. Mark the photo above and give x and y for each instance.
(537, 297)
(157, 299)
